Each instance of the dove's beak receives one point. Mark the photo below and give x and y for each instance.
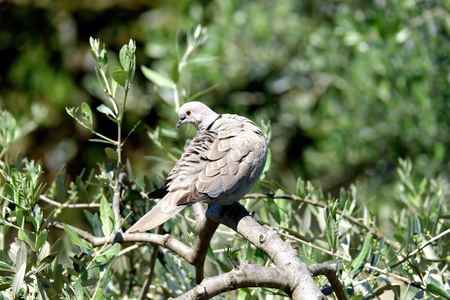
(179, 123)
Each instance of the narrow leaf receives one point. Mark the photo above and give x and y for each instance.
(78, 290)
(124, 58)
(42, 237)
(86, 116)
(20, 266)
(106, 216)
(75, 238)
(437, 287)
(106, 110)
(158, 79)
(332, 232)
(112, 251)
(24, 237)
(358, 262)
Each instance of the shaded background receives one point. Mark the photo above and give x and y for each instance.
(349, 87)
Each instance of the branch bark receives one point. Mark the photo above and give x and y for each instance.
(281, 253)
(247, 275)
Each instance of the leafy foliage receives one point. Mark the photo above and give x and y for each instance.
(350, 91)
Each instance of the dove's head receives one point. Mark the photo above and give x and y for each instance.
(197, 114)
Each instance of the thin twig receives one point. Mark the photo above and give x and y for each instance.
(66, 205)
(151, 268)
(420, 248)
(351, 219)
(348, 259)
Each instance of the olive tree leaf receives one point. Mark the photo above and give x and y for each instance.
(86, 116)
(120, 75)
(106, 216)
(20, 267)
(75, 238)
(158, 79)
(360, 259)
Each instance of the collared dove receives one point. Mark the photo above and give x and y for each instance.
(220, 165)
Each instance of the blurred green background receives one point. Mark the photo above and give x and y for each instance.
(348, 86)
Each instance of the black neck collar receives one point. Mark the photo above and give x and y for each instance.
(210, 125)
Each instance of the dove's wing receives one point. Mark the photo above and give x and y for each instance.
(235, 160)
(179, 188)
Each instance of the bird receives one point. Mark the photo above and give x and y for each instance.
(220, 165)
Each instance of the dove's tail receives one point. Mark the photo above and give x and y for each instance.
(162, 212)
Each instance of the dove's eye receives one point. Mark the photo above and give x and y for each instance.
(188, 113)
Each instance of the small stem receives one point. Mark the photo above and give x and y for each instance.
(420, 248)
(151, 266)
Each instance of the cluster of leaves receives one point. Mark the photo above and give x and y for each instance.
(410, 261)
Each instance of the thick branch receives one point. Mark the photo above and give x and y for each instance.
(205, 230)
(281, 253)
(330, 272)
(247, 275)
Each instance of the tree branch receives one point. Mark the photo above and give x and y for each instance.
(66, 205)
(330, 272)
(432, 240)
(163, 240)
(247, 275)
(281, 253)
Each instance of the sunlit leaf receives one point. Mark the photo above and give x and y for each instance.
(75, 238)
(86, 116)
(42, 237)
(107, 217)
(360, 259)
(157, 79)
(112, 251)
(106, 110)
(20, 267)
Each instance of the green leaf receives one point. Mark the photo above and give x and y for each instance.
(45, 251)
(90, 282)
(20, 267)
(124, 58)
(5, 266)
(112, 251)
(111, 153)
(437, 287)
(20, 218)
(158, 79)
(94, 221)
(360, 259)
(24, 237)
(99, 295)
(332, 232)
(75, 238)
(107, 217)
(120, 76)
(48, 219)
(42, 237)
(106, 110)
(78, 290)
(86, 116)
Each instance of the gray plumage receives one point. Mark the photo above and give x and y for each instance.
(221, 164)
